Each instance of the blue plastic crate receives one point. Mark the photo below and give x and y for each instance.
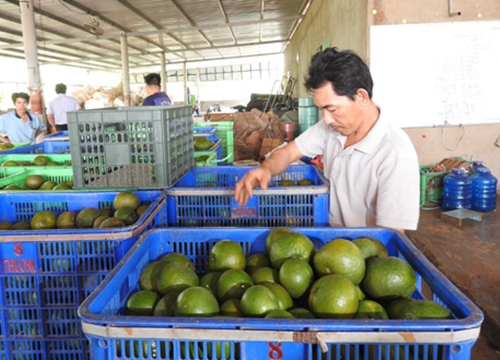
(57, 136)
(205, 131)
(113, 335)
(205, 197)
(46, 274)
(55, 147)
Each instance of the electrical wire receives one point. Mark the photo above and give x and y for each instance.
(458, 141)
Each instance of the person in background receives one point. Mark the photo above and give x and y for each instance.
(372, 166)
(56, 112)
(156, 97)
(19, 125)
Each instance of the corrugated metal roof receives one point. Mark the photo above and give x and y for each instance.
(185, 30)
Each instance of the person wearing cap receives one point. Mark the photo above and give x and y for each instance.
(56, 112)
(20, 125)
(156, 97)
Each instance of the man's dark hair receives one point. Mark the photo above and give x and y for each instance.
(345, 70)
(153, 79)
(60, 88)
(20, 95)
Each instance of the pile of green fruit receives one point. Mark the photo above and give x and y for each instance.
(343, 279)
(40, 182)
(39, 160)
(125, 211)
(6, 146)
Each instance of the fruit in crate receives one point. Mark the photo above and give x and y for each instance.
(10, 163)
(34, 181)
(5, 146)
(347, 283)
(40, 160)
(202, 144)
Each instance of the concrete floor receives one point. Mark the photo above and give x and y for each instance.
(469, 255)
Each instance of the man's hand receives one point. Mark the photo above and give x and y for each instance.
(255, 177)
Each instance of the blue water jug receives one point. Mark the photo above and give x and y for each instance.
(457, 193)
(484, 190)
(476, 165)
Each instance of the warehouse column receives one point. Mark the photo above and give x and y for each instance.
(31, 56)
(184, 77)
(125, 69)
(163, 72)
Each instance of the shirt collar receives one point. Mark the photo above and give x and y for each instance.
(27, 112)
(374, 136)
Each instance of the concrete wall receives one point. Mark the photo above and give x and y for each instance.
(346, 23)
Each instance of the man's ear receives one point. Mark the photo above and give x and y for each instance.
(361, 96)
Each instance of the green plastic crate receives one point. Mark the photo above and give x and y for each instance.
(57, 174)
(224, 131)
(211, 160)
(431, 186)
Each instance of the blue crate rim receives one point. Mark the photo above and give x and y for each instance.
(456, 330)
(87, 234)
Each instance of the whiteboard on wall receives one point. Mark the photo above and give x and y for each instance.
(437, 74)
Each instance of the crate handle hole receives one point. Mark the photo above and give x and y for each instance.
(103, 343)
(456, 349)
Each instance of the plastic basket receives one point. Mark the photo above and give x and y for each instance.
(27, 159)
(46, 274)
(205, 131)
(205, 197)
(211, 158)
(224, 131)
(144, 147)
(217, 149)
(431, 187)
(17, 175)
(113, 335)
(57, 136)
(42, 148)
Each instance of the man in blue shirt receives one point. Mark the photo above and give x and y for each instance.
(19, 125)
(153, 88)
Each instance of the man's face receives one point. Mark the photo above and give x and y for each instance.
(21, 105)
(340, 112)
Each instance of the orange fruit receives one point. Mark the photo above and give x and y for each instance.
(423, 310)
(232, 284)
(178, 258)
(265, 274)
(126, 199)
(301, 313)
(279, 314)
(209, 281)
(166, 306)
(232, 308)
(284, 299)
(388, 278)
(291, 245)
(371, 247)
(226, 255)
(149, 276)
(395, 306)
(142, 303)
(258, 301)
(369, 309)
(197, 301)
(296, 276)
(341, 257)
(274, 234)
(333, 296)
(256, 261)
(43, 220)
(174, 277)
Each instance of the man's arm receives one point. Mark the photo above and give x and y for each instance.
(4, 140)
(276, 163)
(50, 119)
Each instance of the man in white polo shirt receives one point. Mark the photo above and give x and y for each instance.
(372, 166)
(56, 112)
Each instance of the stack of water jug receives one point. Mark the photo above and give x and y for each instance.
(477, 191)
